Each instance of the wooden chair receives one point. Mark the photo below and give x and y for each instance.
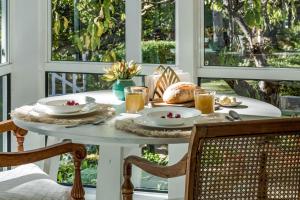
(28, 181)
(235, 160)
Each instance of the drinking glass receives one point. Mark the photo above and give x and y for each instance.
(134, 99)
(205, 101)
(144, 90)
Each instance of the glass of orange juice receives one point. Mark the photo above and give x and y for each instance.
(205, 101)
(134, 100)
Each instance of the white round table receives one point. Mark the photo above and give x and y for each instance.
(112, 141)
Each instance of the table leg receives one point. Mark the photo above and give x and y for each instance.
(176, 186)
(136, 177)
(109, 173)
(51, 165)
(110, 170)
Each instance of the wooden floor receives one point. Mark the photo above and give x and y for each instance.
(91, 195)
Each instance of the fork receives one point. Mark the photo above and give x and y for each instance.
(96, 122)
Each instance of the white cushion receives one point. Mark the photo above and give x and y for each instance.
(29, 182)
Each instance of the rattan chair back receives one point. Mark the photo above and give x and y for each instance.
(245, 160)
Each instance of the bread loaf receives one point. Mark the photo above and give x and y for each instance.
(179, 93)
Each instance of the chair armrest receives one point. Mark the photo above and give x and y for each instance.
(7, 125)
(179, 169)
(175, 170)
(20, 133)
(20, 158)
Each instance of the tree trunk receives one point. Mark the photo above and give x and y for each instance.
(218, 29)
(266, 90)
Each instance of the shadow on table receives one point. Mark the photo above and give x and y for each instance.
(236, 107)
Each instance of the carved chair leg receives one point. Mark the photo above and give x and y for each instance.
(20, 135)
(127, 187)
(77, 192)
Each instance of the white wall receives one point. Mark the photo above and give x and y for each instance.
(26, 50)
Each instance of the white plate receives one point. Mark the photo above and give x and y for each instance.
(73, 114)
(54, 105)
(145, 122)
(231, 105)
(159, 115)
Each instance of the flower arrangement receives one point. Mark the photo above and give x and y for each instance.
(121, 71)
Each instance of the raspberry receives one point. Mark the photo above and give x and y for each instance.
(170, 115)
(177, 116)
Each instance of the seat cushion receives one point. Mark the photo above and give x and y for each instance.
(29, 182)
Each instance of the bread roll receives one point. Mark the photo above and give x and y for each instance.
(179, 93)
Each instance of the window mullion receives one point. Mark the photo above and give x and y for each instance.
(186, 36)
(133, 30)
(4, 32)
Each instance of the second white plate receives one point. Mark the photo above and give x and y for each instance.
(73, 114)
(145, 122)
(157, 117)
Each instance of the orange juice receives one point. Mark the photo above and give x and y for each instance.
(134, 102)
(205, 102)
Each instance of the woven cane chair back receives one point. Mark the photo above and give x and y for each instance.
(246, 160)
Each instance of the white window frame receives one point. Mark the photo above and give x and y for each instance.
(220, 72)
(5, 67)
(133, 31)
(189, 48)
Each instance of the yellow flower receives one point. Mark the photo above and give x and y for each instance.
(121, 70)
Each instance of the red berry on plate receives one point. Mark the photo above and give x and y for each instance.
(170, 115)
(177, 116)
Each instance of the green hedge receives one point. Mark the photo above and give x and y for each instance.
(154, 52)
(158, 52)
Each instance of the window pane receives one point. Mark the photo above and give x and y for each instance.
(68, 83)
(283, 94)
(252, 33)
(88, 30)
(3, 31)
(4, 138)
(158, 34)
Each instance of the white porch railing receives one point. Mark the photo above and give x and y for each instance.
(74, 84)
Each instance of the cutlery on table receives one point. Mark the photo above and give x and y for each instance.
(97, 122)
(229, 118)
(89, 99)
(236, 116)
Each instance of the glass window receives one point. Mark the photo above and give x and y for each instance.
(3, 31)
(88, 30)
(158, 32)
(283, 94)
(4, 107)
(252, 33)
(68, 83)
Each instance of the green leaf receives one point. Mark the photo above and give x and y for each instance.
(123, 16)
(100, 29)
(250, 18)
(66, 22)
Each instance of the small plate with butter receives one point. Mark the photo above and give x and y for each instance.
(228, 101)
